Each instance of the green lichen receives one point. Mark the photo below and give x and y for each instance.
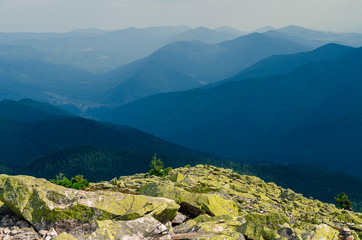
(65, 236)
(272, 219)
(178, 177)
(320, 232)
(41, 202)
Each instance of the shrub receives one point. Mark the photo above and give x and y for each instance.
(77, 182)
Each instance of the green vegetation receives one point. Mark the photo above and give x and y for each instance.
(77, 182)
(98, 163)
(343, 201)
(157, 167)
(102, 163)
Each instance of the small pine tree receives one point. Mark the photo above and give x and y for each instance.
(157, 167)
(343, 201)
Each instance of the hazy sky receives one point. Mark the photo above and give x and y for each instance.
(66, 15)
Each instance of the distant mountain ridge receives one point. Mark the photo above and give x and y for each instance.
(28, 110)
(315, 38)
(260, 117)
(185, 65)
(46, 66)
(97, 51)
(282, 64)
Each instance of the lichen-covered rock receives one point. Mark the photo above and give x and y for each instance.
(45, 204)
(257, 232)
(321, 232)
(217, 203)
(212, 204)
(145, 228)
(286, 233)
(218, 227)
(178, 177)
(65, 236)
(261, 203)
(271, 220)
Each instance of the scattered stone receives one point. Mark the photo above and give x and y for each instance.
(286, 233)
(180, 218)
(22, 224)
(52, 233)
(345, 234)
(43, 233)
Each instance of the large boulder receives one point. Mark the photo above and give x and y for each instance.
(257, 232)
(220, 227)
(145, 228)
(321, 232)
(212, 204)
(47, 205)
(271, 220)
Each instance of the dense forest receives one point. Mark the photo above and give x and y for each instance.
(103, 163)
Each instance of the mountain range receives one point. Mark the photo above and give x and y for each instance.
(185, 65)
(310, 114)
(178, 66)
(100, 51)
(314, 38)
(48, 66)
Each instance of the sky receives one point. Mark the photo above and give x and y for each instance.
(245, 15)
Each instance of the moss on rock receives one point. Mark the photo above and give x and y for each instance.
(223, 205)
(65, 236)
(141, 228)
(261, 203)
(178, 177)
(321, 232)
(211, 204)
(43, 203)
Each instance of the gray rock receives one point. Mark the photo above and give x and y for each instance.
(145, 228)
(180, 218)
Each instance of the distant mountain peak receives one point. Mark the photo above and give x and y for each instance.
(265, 29)
(295, 28)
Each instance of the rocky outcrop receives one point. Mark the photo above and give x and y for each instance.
(201, 202)
(47, 205)
(268, 211)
